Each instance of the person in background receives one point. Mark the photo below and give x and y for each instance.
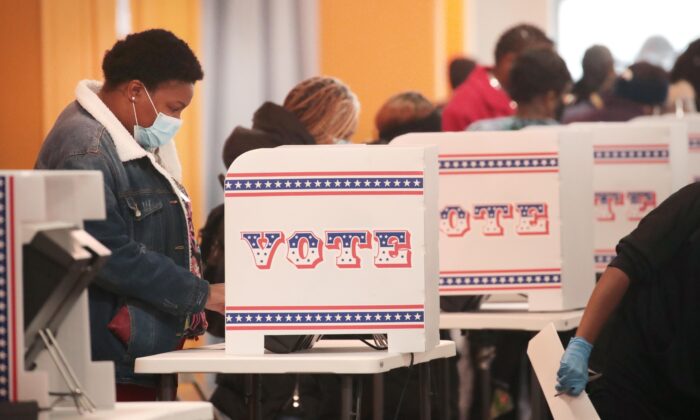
(319, 110)
(482, 95)
(657, 50)
(686, 71)
(150, 295)
(539, 80)
(640, 90)
(597, 81)
(407, 112)
(459, 69)
(649, 294)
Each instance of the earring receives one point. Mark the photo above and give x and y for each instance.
(133, 98)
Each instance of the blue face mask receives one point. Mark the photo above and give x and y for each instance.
(160, 133)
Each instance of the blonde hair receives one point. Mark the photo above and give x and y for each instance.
(401, 109)
(326, 107)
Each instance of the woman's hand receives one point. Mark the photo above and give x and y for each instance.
(573, 369)
(216, 299)
(572, 376)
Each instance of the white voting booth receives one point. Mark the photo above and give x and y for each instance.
(637, 166)
(692, 125)
(332, 240)
(515, 215)
(33, 203)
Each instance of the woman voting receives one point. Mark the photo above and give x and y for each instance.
(651, 292)
(150, 296)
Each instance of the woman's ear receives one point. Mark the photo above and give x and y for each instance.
(134, 89)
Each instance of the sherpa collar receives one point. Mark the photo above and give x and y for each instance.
(127, 148)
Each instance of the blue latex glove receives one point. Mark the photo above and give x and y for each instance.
(572, 376)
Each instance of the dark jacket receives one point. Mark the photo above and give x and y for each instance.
(145, 228)
(653, 359)
(272, 126)
(614, 108)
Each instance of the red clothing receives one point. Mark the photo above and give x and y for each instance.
(475, 99)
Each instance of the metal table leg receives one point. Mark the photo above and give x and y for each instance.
(253, 394)
(537, 400)
(167, 387)
(485, 356)
(424, 390)
(446, 408)
(378, 396)
(346, 391)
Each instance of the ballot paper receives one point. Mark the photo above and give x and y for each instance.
(545, 352)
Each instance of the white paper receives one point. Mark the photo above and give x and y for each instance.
(545, 352)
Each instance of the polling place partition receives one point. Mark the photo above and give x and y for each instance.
(332, 240)
(691, 123)
(636, 167)
(514, 215)
(45, 211)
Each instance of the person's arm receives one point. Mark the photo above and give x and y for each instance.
(134, 271)
(642, 255)
(608, 293)
(572, 375)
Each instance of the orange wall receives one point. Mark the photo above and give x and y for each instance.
(75, 34)
(50, 46)
(454, 27)
(21, 104)
(380, 48)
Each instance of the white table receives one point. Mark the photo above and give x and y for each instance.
(142, 411)
(343, 357)
(511, 316)
(491, 319)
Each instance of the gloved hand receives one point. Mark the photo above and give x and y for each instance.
(572, 375)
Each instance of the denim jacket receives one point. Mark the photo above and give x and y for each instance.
(145, 228)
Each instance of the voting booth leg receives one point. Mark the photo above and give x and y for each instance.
(253, 396)
(350, 400)
(443, 377)
(378, 396)
(485, 356)
(537, 403)
(424, 390)
(167, 387)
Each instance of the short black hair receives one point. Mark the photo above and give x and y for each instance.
(520, 38)
(598, 63)
(687, 67)
(644, 83)
(460, 69)
(153, 57)
(536, 72)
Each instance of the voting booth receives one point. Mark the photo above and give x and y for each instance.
(332, 240)
(514, 215)
(691, 123)
(46, 262)
(636, 167)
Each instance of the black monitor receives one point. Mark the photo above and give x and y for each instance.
(58, 265)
